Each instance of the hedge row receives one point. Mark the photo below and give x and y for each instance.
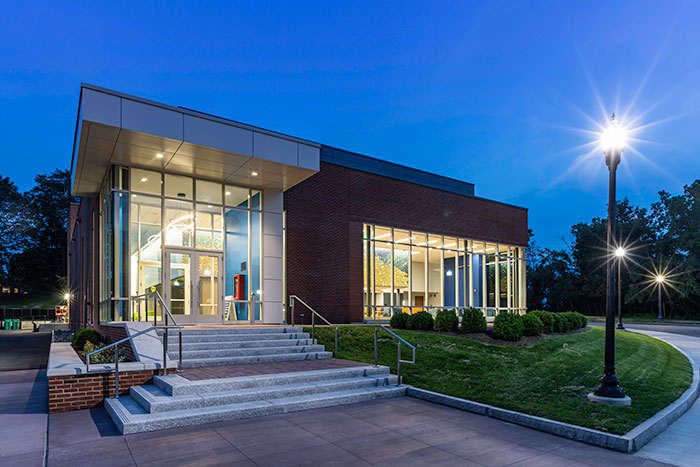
(507, 326)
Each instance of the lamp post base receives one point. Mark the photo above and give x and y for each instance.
(620, 327)
(615, 401)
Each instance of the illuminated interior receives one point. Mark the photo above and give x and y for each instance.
(410, 271)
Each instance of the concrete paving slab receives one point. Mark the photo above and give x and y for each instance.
(678, 444)
(23, 416)
(24, 350)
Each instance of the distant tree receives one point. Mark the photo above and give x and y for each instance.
(13, 224)
(43, 257)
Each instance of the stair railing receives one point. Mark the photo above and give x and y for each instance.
(166, 314)
(314, 313)
(400, 340)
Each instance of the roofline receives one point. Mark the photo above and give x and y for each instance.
(196, 113)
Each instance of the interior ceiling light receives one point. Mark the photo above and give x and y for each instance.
(254, 174)
(159, 155)
(144, 179)
(228, 193)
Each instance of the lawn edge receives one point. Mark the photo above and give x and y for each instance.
(631, 441)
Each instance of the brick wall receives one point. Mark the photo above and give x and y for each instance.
(114, 333)
(77, 392)
(324, 230)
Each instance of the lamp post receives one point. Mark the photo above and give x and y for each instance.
(609, 392)
(620, 254)
(659, 283)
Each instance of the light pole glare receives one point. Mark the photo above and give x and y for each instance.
(660, 278)
(66, 296)
(614, 136)
(620, 252)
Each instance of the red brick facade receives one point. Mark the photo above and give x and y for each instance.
(77, 392)
(324, 230)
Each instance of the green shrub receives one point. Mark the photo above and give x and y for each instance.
(85, 335)
(473, 320)
(106, 356)
(421, 321)
(562, 323)
(547, 318)
(446, 320)
(532, 325)
(576, 319)
(508, 326)
(398, 321)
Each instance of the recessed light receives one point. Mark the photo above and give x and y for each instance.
(144, 179)
(254, 174)
(159, 155)
(228, 193)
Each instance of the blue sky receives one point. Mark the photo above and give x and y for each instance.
(494, 93)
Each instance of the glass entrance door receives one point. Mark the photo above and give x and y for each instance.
(209, 281)
(178, 285)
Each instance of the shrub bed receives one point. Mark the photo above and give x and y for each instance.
(422, 321)
(532, 325)
(85, 335)
(508, 326)
(547, 319)
(398, 321)
(473, 320)
(446, 321)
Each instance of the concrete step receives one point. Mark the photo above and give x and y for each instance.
(188, 346)
(155, 400)
(197, 331)
(191, 338)
(176, 385)
(247, 352)
(277, 357)
(131, 417)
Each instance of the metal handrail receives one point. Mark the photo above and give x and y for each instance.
(156, 296)
(121, 341)
(398, 359)
(314, 313)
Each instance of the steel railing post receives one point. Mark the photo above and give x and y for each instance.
(398, 363)
(375, 346)
(165, 351)
(313, 325)
(116, 371)
(179, 366)
(291, 304)
(336, 342)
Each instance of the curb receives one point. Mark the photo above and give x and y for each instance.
(631, 441)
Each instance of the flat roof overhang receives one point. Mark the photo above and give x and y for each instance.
(116, 128)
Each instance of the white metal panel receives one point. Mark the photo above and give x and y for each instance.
(272, 267)
(100, 107)
(273, 201)
(272, 312)
(275, 149)
(272, 223)
(272, 245)
(309, 157)
(272, 290)
(151, 119)
(218, 135)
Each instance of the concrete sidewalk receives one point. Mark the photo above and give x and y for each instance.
(678, 444)
(24, 350)
(23, 417)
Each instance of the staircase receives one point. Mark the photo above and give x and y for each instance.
(173, 401)
(235, 346)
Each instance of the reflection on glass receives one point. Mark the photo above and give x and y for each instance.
(209, 192)
(208, 285)
(145, 181)
(180, 283)
(236, 196)
(177, 186)
(179, 223)
(209, 227)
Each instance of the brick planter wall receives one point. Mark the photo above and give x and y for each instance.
(114, 333)
(77, 392)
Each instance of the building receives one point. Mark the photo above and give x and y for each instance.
(226, 221)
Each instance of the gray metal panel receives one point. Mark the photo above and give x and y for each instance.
(375, 166)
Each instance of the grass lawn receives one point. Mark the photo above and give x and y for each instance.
(30, 301)
(549, 378)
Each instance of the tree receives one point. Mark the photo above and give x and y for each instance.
(12, 227)
(43, 256)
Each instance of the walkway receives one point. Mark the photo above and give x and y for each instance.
(678, 444)
(403, 431)
(24, 350)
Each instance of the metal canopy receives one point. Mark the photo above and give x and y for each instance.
(115, 128)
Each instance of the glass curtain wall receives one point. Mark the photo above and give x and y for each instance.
(414, 271)
(139, 208)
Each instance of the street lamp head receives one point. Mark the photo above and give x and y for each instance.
(620, 252)
(66, 296)
(613, 137)
(660, 278)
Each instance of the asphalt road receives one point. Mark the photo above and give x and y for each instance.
(684, 329)
(24, 350)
